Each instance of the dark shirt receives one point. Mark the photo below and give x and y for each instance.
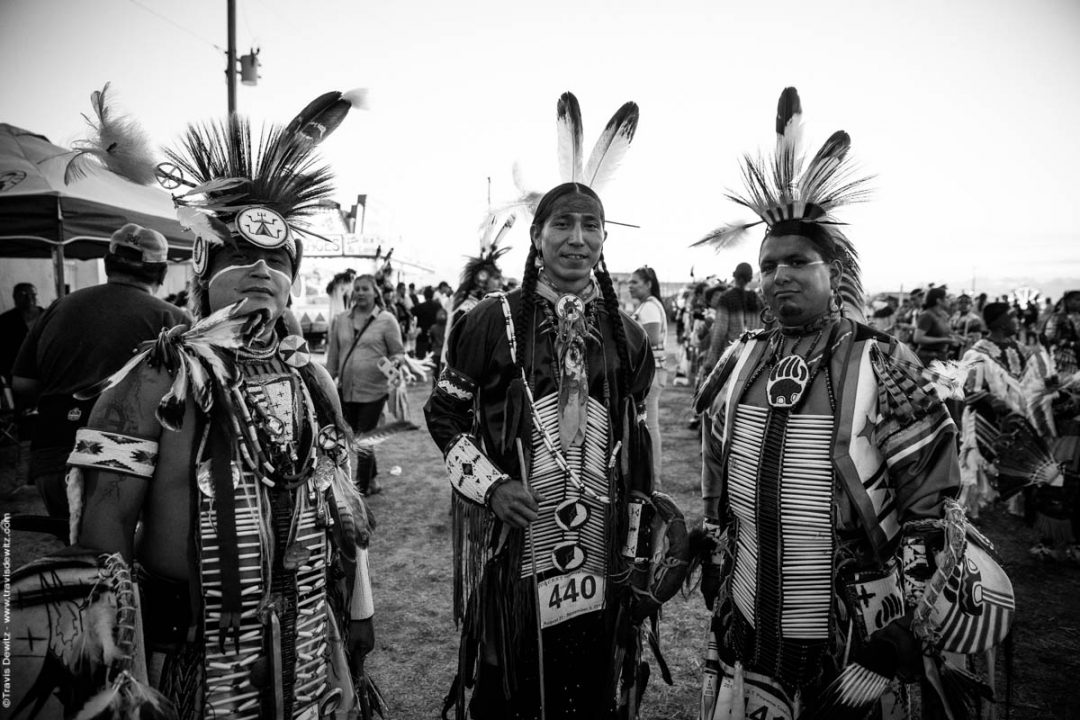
(13, 331)
(425, 314)
(83, 338)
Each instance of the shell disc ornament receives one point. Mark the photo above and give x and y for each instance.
(262, 226)
(294, 351)
(200, 256)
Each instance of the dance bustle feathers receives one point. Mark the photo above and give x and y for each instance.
(1023, 458)
(117, 143)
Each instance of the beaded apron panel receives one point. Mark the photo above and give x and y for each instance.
(229, 691)
(806, 534)
(569, 535)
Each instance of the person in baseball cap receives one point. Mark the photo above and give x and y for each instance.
(84, 337)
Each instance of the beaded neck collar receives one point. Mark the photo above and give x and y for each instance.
(549, 292)
(257, 354)
(815, 325)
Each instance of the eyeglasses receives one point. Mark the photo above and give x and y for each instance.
(769, 270)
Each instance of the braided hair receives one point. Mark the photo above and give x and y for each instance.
(524, 319)
(611, 302)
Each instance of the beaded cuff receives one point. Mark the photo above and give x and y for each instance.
(471, 472)
(114, 452)
(456, 384)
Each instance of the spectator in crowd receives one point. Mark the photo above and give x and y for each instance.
(933, 336)
(15, 324)
(650, 314)
(436, 340)
(967, 323)
(424, 314)
(83, 338)
(737, 311)
(359, 339)
(907, 316)
(445, 296)
(392, 302)
(1031, 322)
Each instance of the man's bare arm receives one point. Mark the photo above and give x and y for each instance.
(113, 500)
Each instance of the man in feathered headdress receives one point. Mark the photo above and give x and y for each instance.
(227, 443)
(829, 468)
(539, 412)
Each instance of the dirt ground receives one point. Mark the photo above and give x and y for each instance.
(415, 656)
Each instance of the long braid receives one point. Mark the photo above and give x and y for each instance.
(611, 302)
(523, 321)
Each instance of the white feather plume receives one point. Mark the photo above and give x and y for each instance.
(611, 147)
(569, 128)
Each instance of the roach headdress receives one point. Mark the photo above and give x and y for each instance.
(254, 192)
(794, 197)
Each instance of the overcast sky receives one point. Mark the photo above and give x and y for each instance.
(966, 111)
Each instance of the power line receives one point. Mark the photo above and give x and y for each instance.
(178, 26)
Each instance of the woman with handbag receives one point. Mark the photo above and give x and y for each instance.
(651, 315)
(359, 338)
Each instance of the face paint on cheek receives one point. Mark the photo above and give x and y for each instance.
(243, 269)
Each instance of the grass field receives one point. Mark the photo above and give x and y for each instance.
(416, 641)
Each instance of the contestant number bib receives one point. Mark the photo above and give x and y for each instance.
(566, 596)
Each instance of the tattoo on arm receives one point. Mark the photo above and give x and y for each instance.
(121, 412)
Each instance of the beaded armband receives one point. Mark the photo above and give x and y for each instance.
(471, 472)
(102, 450)
(457, 385)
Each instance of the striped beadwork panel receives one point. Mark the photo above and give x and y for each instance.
(590, 461)
(806, 518)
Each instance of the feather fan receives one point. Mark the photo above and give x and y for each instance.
(850, 696)
(611, 147)
(569, 128)
(117, 143)
(1023, 458)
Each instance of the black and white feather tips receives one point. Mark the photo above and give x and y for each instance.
(116, 142)
(608, 152)
(227, 169)
(787, 187)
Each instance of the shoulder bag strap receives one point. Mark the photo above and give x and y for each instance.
(371, 319)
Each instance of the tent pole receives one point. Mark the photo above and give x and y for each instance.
(58, 269)
(58, 251)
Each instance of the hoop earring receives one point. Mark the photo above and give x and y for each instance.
(766, 315)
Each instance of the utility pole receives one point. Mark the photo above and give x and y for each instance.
(230, 62)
